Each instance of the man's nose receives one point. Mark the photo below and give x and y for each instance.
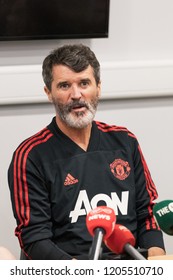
(75, 92)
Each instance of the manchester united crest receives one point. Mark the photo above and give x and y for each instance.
(120, 169)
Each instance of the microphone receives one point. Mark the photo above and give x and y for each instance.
(122, 241)
(163, 213)
(100, 223)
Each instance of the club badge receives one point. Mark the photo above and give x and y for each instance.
(120, 169)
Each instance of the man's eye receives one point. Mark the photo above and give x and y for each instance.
(84, 83)
(64, 86)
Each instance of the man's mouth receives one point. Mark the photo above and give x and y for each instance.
(78, 107)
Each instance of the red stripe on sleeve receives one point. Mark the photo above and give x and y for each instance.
(21, 196)
(107, 128)
(150, 186)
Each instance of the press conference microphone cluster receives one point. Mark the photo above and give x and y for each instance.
(122, 241)
(100, 223)
(163, 213)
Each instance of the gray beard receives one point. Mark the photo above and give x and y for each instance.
(78, 120)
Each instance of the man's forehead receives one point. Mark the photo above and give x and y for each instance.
(62, 72)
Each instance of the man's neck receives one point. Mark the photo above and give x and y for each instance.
(80, 136)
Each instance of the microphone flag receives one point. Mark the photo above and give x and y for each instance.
(163, 213)
(100, 223)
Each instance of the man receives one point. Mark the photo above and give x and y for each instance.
(76, 164)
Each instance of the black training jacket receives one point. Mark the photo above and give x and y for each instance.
(54, 184)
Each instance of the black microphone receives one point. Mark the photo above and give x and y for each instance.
(122, 241)
(163, 213)
(100, 223)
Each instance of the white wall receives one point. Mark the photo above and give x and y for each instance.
(137, 67)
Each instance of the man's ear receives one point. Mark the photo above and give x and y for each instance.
(48, 93)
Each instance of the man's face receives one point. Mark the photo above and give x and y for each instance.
(74, 95)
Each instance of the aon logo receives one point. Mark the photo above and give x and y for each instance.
(113, 202)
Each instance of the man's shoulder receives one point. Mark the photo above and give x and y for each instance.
(105, 127)
(34, 140)
(111, 130)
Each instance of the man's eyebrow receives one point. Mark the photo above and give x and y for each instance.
(85, 80)
(61, 83)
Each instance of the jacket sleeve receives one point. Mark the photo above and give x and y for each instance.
(31, 208)
(149, 234)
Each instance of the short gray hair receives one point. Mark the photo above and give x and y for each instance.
(77, 57)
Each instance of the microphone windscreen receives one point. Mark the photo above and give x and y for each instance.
(119, 238)
(101, 217)
(163, 213)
